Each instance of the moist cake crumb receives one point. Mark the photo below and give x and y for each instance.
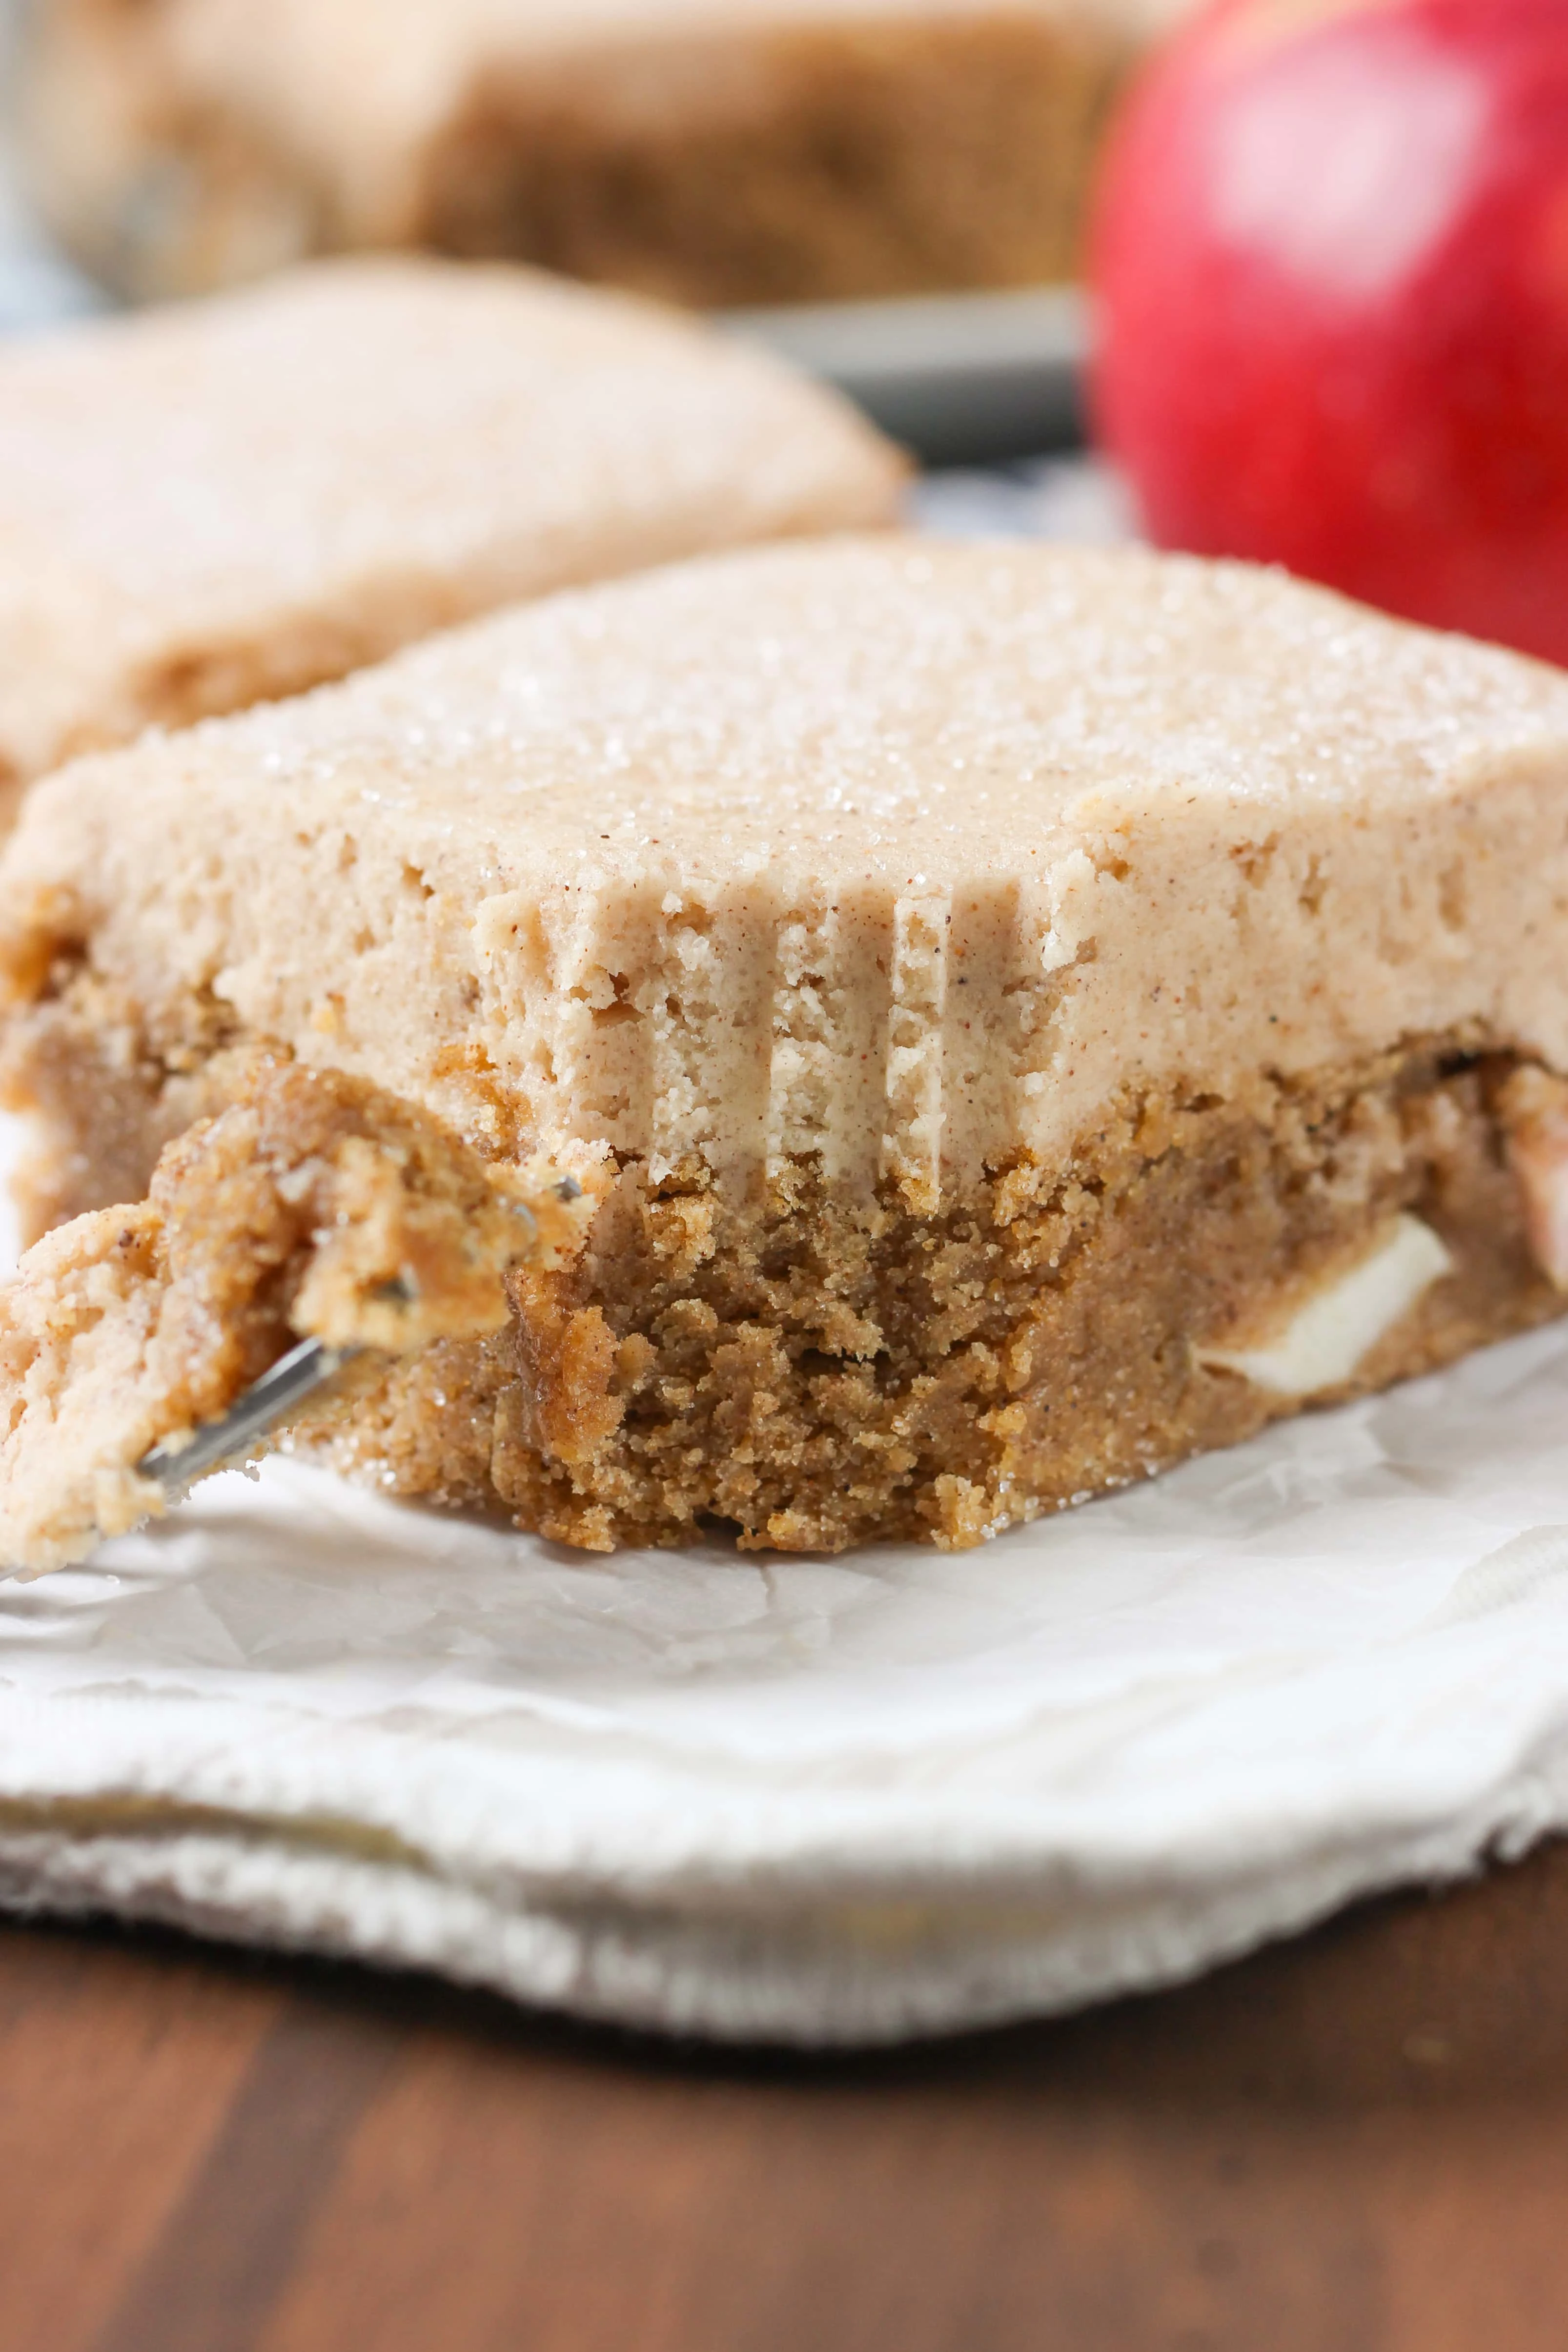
(311, 1206)
(714, 152)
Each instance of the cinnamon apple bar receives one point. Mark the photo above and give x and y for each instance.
(1040, 1012)
(712, 150)
(232, 501)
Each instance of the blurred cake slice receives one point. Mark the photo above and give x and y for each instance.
(219, 504)
(712, 150)
(1043, 1013)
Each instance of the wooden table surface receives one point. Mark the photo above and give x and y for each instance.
(1355, 2143)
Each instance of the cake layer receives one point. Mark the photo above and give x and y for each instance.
(814, 1379)
(814, 1373)
(716, 150)
(214, 505)
(1046, 1011)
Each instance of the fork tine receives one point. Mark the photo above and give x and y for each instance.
(295, 1376)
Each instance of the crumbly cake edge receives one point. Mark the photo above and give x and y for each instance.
(813, 1369)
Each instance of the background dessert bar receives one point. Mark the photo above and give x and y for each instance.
(715, 150)
(237, 500)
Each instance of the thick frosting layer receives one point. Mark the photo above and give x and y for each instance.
(239, 497)
(908, 854)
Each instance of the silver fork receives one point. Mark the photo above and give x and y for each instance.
(295, 1376)
(300, 1374)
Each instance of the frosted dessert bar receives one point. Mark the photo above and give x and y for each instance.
(712, 150)
(309, 1207)
(214, 505)
(1037, 1013)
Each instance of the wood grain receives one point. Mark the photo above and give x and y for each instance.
(1358, 2143)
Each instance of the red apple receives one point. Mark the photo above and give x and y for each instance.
(1331, 275)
